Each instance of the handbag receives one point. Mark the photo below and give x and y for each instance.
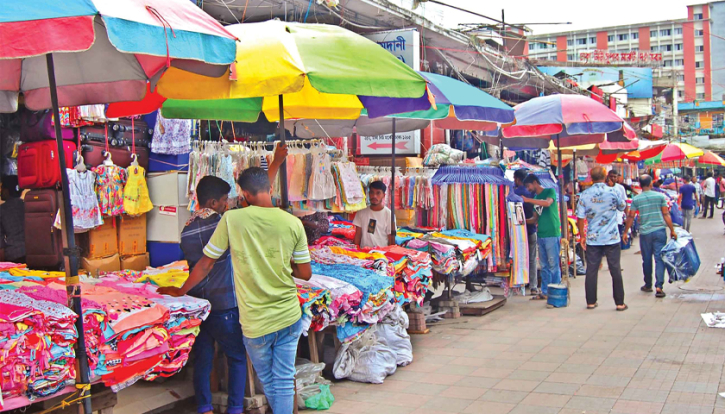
(38, 126)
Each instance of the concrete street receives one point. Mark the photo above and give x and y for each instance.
(657, 357)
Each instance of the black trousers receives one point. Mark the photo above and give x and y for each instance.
(594, 255)
(709, 202)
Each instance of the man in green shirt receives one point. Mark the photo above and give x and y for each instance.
(654, 215)
(548, 232)
(268, 248)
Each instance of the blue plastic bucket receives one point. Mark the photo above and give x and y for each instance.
(558, 296)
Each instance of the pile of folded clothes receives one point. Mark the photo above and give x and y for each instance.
(413, 272)
(455, 251)
(36, 346)
(316, 312)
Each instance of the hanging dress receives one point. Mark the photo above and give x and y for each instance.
(136, 199)
(110, 180)
(171, 136)
(322, 184)
(83, 200)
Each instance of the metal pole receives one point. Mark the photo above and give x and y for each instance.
(562, 204)
(283, 167)
(70, 252)
(675, 120)
(393, 230)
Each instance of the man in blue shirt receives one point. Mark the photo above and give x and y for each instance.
(687, 201)
(520, 189)
(600, 205)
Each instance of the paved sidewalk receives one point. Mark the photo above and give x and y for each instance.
(657, 357)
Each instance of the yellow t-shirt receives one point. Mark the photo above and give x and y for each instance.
(262, 241)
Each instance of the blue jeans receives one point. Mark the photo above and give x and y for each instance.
(549, 248)
(273, 357)
(651, 244)
(222, 327)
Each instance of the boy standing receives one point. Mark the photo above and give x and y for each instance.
(548, 232)
(268, 248)
(372, 225)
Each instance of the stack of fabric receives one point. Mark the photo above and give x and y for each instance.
(316, 311)
(413, 272)
(36, 346)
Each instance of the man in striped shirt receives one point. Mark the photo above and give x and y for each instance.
(653, 217)
(268, 247)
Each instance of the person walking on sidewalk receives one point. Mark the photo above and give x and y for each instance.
(710, 195)
(613, 182)
(599, 207)
(520, 189)
(548, 232)
(687, 201)
(653, 217)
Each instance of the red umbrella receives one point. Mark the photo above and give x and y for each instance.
(711, 158)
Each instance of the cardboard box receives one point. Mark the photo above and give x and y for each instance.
(100, 265)
(165, 223)
(132, 235)
(101, 241)
(138, 262)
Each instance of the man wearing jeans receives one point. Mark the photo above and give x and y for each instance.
(548, 232)
(599, 206)
(653, 217)
(687, 201)
(710, 194)
(268, 248)
(520, 189)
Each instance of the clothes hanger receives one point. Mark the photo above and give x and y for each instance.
(80, 163)
(109, 159)
(134, 157)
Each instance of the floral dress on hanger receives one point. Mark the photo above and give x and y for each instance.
(136, 199)
(83, 200)
(110, 180)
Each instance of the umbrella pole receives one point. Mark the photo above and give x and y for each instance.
(563, 217)
(71, 253)
(393, 230)
(282, 168)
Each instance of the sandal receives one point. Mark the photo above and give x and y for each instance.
(539, 297)
(622, 309)
(592, 306)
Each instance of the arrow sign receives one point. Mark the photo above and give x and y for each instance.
(380, 145)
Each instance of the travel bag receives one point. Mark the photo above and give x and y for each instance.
(38, 164)
(38, 126)
(93, 154)
(43, 242)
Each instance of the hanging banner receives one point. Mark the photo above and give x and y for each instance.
(405, 143)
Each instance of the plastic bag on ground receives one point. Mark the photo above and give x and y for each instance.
(309, 380)
(392, 331)
(680, 256)
(365, 360)
(322, 401)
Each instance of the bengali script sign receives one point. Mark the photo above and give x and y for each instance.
(627, 58)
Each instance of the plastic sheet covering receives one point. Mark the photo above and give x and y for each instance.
(680, 257)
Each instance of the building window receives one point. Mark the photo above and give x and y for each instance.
(593, 40)
(701, 95)
(666, 32)
(624, 36)
(700, 80)
(698, 16)
(610, 38)
(552, 46)
(678, 31)
(570, 42)
(666, 48)
(680, 78)
(680, 62)
(635, 35)
(699, 33)
(653, 33)
(668, 63)
(532, 46)
(581, 41)
(654, 49)
(680, 94)
(543, 45)
(699, 48)
(699, 65)
(678, 46)
(570, 57)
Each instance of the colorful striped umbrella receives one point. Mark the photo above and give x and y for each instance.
(711, 158)
(679, 151)
(457, 106)
(104, 51)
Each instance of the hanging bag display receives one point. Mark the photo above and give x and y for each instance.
(38, 126)
(44, 247)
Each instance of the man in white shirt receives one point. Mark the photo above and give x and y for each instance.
(613, 181)
(373, 224)
(710, 195)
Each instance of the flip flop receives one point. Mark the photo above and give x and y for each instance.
(590, 307)
(623, 309)
(538, 297)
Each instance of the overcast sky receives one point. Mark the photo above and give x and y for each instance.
(582, 14)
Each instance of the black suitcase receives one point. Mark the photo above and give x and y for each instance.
(121, 156)
(120, 133)
(43, 242)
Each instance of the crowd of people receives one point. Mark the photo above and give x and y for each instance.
(605, 217)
